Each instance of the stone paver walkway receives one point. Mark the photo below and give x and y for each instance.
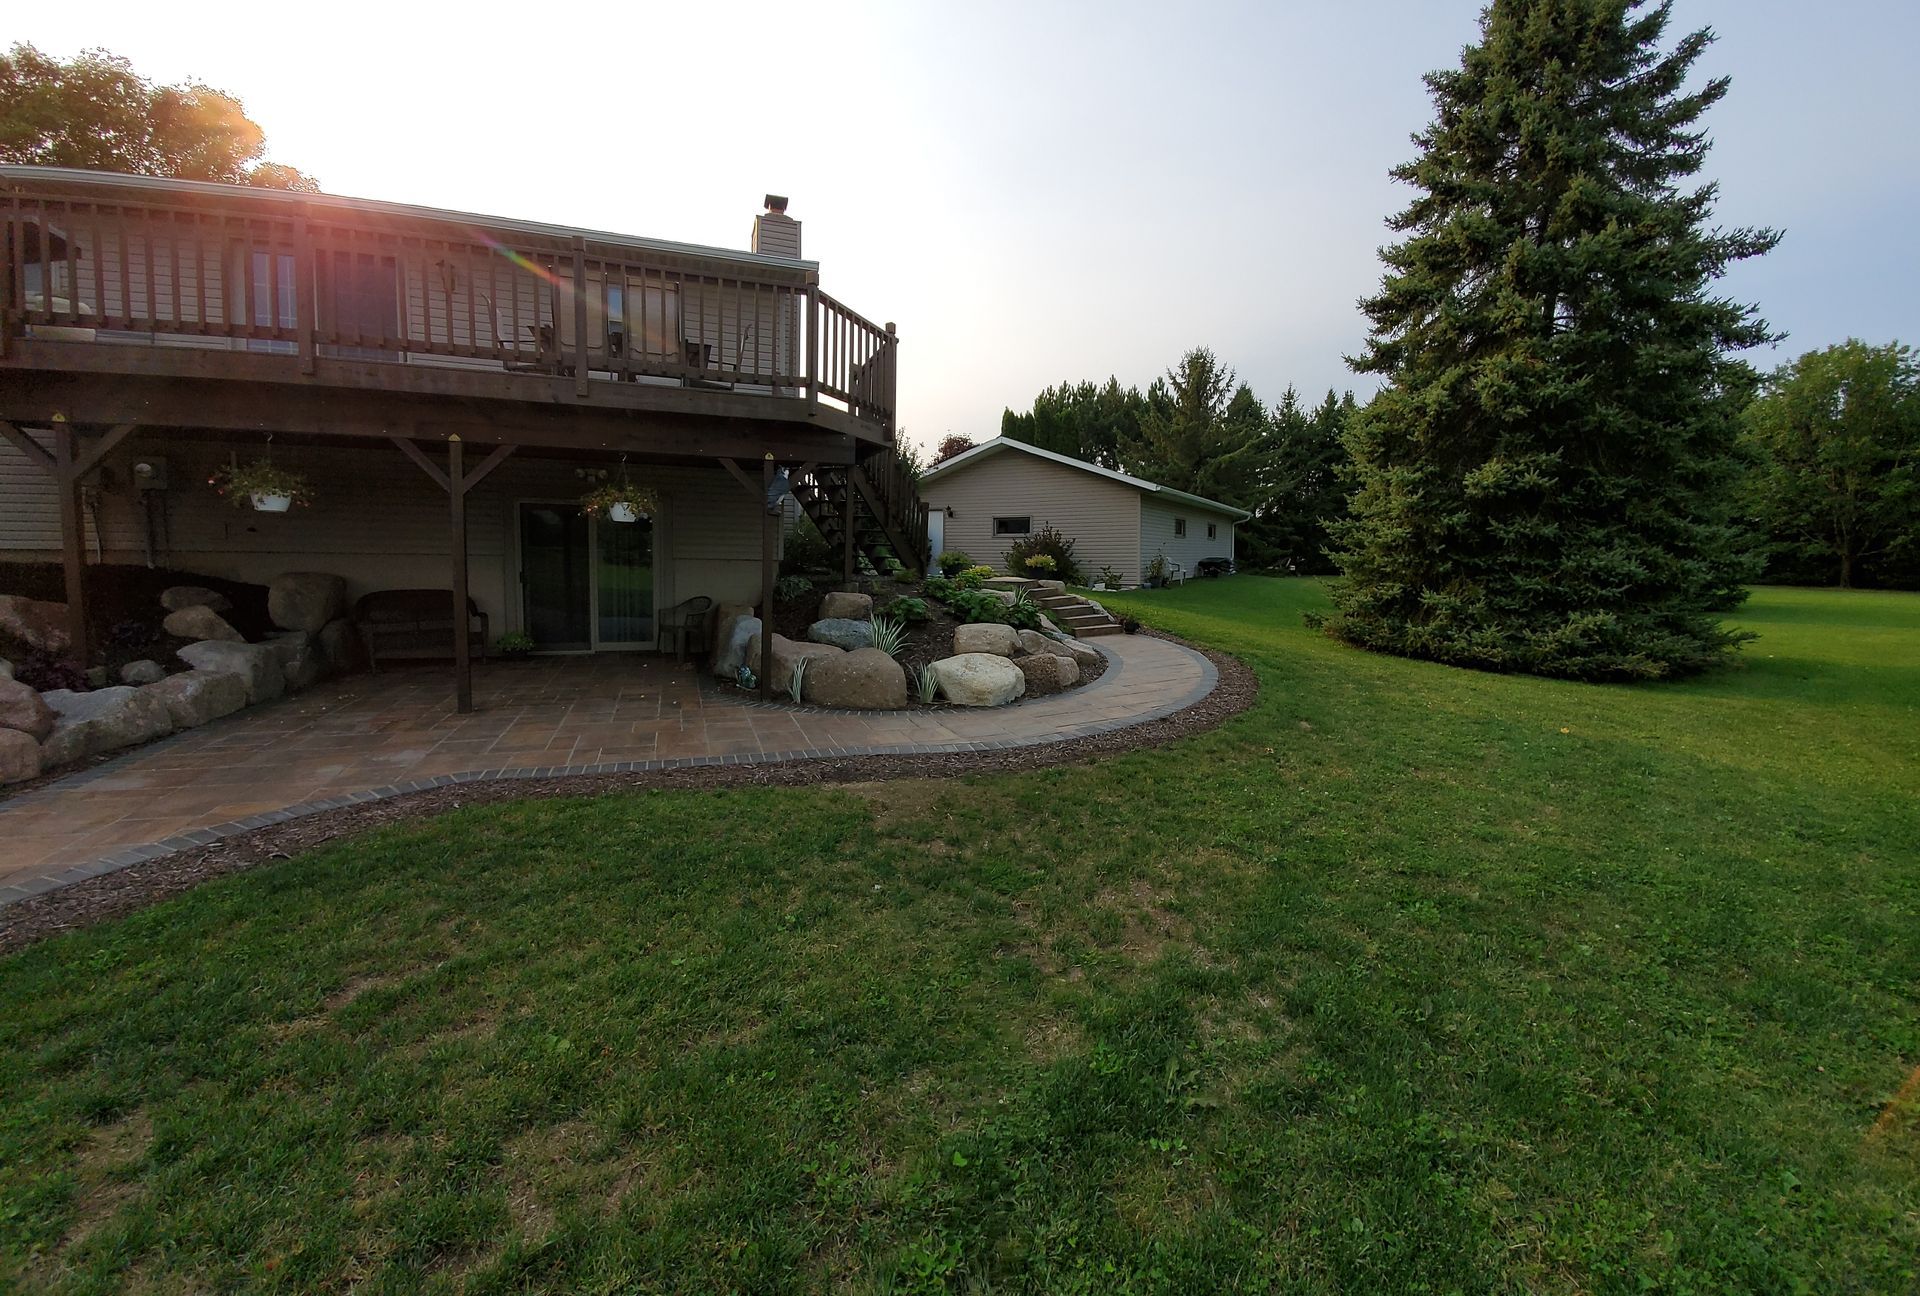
(370, 736)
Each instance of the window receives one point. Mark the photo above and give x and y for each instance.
(1213, 532)
(1179, 527)
(1012, 525)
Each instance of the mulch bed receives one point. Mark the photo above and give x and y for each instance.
(98, 899)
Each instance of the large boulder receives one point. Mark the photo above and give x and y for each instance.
(142, 672)
(300, 657)
(842, 632)
(986, 637)
(197, 697)
(23, 711)
(306, 600)
(200, 623)
(785, 652)
(257, 664)
(6, 668)
(978, 679)
(1032, 641)
(846, 605)
(741, 631)
(102, 721)
(1046, 673)
(39, 624)
(1083, 654)
(865, 679)
(176, 597)
(341, 646)
(19, 756)
(724, 619)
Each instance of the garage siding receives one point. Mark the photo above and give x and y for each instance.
(1101, 516)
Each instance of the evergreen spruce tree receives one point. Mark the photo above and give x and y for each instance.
(1544, 484)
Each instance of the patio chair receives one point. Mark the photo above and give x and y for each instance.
(685, 626)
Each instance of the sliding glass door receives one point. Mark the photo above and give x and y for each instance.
(585, 583)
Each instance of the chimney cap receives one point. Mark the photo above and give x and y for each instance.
(777, 204)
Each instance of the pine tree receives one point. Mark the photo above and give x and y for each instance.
(1202, 431)
(1544, 484)
(1304, 493)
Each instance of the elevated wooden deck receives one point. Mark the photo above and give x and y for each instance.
(171, 303)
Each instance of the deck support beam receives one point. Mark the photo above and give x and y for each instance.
(769, 549)
(762, 492)
(73, 541)
(68, 465)
(846, 529)
(456, 481)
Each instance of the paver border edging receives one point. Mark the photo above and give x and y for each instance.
(136, 876)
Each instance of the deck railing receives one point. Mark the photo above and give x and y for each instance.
(113, 261)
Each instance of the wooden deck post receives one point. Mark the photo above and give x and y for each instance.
(769, 547)
(846, 528)
(462, 652)
(73, 539)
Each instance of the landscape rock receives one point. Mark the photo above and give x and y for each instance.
(1046, 624)
(1042, 588)
(23, 711)
(1032, 641)
(846, 605)
(306, 600)
(142, 672)
(727, 618)
(96, 677)
(6, 668)
(1083, 654)
(865, 679)
(743, 631)
(300, 659)
(197, 697)
(200, 623)
(1046, 673)
(842, 632)
(340, 646)
(39, 624)
(979, 679)
(785, 652)
(986, 637)
(19, 757)
(257, 664)
(177, 597)
(101, 721)
(1004, 595)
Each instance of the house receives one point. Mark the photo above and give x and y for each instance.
(1004, 490)
(450, 385)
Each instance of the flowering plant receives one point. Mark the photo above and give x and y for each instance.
(242, 483)
(602, 500)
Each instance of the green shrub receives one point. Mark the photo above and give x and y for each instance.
(792, 587)
(973, 577)
(906, 608)
(954, 561)
(807, 550)
(1049, 542)
(1041, 564)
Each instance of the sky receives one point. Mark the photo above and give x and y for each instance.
(1034, 192)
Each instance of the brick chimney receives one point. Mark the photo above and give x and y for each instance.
(774, 232)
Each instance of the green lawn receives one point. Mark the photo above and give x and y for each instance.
(1411, 979)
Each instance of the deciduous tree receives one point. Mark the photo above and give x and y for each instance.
(95, 112)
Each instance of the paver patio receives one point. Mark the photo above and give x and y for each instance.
(377, 735)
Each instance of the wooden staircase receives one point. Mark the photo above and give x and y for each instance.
(889, 517)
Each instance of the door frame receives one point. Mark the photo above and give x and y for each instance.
(517, 589)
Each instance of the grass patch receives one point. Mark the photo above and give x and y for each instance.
(1409, 979)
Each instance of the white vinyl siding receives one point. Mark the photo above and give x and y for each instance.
(1157, 533)
(1101, 517)
(377, 520)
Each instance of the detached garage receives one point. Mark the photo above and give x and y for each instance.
(997, 493)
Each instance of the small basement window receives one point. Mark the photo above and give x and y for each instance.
(1179, 526)
(1012, 525)
(1213, 532)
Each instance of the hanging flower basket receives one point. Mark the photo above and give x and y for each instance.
(620, 501)
(261, 486)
